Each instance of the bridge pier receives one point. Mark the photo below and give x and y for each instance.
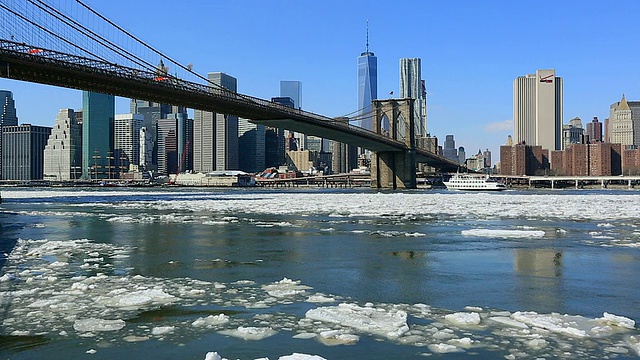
(394, 169)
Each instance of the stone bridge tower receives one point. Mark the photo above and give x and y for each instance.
(394, 169)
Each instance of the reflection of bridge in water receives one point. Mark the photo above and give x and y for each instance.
(80, 58)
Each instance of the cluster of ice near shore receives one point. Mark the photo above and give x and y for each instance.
(80, 289)
(411, 204)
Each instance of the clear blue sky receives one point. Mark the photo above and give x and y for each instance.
(471, 52)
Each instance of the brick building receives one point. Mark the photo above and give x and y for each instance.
(523, 159)
(600, 159)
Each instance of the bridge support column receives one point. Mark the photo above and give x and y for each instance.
(394, 169)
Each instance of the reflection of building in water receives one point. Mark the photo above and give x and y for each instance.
(539, 275)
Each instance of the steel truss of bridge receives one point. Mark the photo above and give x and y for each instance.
(24, 62)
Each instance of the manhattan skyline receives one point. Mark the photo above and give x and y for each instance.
(471, 53)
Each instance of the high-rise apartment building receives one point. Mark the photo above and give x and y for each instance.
(594, 130)
(63, 151)
(215, 136)
(537, 109)
(367, 86)
(23, 151)
(98, 112)
(126, 140)
(412, 86)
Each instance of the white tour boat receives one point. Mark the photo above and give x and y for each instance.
(473, 182)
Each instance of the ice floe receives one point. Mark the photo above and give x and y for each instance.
(250, 332)
(391, 324)
(503, 233)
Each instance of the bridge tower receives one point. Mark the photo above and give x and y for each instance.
(394, 169)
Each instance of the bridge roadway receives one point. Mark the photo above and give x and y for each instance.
(24, 62)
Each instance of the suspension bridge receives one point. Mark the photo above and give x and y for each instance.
(61, 46)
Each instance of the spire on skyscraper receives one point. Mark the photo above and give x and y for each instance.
(367, 35)
(367, 52)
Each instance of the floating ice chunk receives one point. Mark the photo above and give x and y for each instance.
(58, 264)
(338, 337)
(509, 322)
(465, 342)
(298, 356)
(463, 319)
(162, 330)
(20, 333)
(250, 333)
(133, 338)
(284, 288)
(7, 277)
(616, 320)
(443, 334)
(503, 233)
(43, 303)
(319, 298)
(536, 344)
(93, 325)
(415, 234)
(633, 341)
(91, 351)
(136, 299)
(212, 355)
(390, 324)
(473, 308)
(443, 348)
(605, 225)
(304, 336)
(563, 324)
(211, 320)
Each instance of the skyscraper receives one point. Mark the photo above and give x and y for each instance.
(98, 112)
(126, 140)
(412, 86)
(215, 136)
(63, 152)
(293, 90)
(449, 151)
(367, 85)
(152, 112)
(594, 130)
(168, 146)
(572, 132)
(8, 116)
(23, 151)
(537, 109)
(251, 146)
(620, 123)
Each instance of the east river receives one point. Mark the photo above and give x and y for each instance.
(119, 273)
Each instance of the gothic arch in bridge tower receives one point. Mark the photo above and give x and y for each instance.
(394, 169)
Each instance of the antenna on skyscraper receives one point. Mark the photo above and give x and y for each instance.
(367, 35)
